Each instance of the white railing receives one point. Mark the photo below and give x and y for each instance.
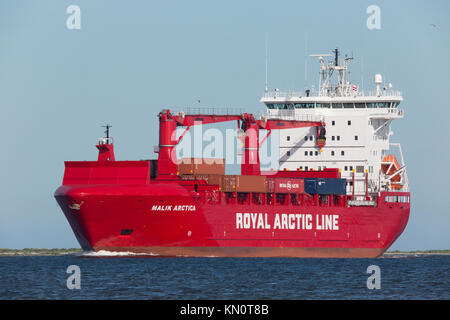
(209, 110)
(102, 141)
(291, 115)
(362, 93)
(387, 113)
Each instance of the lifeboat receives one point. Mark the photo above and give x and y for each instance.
(389, 166)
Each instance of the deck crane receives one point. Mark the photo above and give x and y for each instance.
(251, 126)
(168, 122)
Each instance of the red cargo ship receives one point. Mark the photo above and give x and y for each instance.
(356, 205)
(151, 207)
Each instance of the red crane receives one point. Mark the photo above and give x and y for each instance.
(250, 161)
(167, 159)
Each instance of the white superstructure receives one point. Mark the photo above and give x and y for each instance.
(357, 127)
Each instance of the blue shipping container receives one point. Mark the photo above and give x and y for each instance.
(325, 186)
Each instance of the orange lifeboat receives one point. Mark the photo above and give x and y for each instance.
(390, 166)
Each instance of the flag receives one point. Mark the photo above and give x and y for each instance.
(354, 87)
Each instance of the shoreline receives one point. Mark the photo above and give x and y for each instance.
(70, 251)
(38, 252)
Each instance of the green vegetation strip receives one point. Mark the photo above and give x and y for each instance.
(38, 252)
(419, 252)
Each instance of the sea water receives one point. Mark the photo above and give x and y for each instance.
(129, 276)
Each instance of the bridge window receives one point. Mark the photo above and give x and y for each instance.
(383, 104)
(336, 105)
(360, 105)
(322, 105)
(270, 106)
(348, 105)
(371, 105)
(308, 105)
(395, 104)
(280, 106)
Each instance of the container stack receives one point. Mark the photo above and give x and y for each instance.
(201, 166)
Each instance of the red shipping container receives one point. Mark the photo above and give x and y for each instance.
(287, 185)
(201, 166)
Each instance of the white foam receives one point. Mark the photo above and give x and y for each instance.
(105, 253)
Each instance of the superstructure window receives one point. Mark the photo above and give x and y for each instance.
(306, 153)
(356, 137)
(342, 153)
(316, 153)
(310, 153)
(345, 168)
(332, 153)
(310, 138)
(306, 138)
(336, 105)
(332, 138)
(383, 104)
(349, 122)
(338, 138)
(333, 123)
(304, 105)
(288, 138)
(348, 105)
(322, 105)
(360, 105)
(288, 153)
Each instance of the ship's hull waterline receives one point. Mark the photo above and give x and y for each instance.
(163, 219)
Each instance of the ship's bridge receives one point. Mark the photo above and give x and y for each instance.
(357, 134)
(380, 103)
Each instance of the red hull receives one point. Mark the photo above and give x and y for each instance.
(165, 218)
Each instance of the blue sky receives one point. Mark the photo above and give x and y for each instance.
(132, 58)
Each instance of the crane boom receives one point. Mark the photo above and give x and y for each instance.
(167, 160)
